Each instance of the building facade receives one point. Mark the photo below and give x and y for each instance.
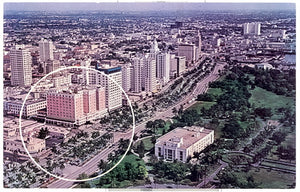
(251, 28)
(113, 93)
(30, 107)
(46, 50)
(163, 67)
(149, 73)
(181, 143)
(189, 51)
(21, 72)
(127, 73)
(75, 107)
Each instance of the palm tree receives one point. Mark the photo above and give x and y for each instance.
(62, 166)
(102, 165)
(174, 111)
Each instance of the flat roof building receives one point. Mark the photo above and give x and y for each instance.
(183, 142)
(21, 72)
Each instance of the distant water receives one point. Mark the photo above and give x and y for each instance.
(290, 59)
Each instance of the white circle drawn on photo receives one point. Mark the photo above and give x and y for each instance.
(20, 124)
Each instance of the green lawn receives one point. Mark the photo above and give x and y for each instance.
(200, 104)
(215, 91)
(166, 128)
(290, 140)
(272, 179)
(147, 142)
(263, 98)
(132, 159)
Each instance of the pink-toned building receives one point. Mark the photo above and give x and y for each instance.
(75, 107)
(100, 99)
(89, 101)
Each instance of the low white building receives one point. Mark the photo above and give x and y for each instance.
(183, 142)
(31, 107)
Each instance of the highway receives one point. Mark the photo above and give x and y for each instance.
(91, 166)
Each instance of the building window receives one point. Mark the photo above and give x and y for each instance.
(170, 153)
(180, 155)
(159, 152)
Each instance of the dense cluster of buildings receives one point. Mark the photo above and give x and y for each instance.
(140, 59)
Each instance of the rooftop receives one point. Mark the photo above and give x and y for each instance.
(187, 136)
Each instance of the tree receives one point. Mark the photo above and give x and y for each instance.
(141, 149)
(142, 172)
(174, 111)
(95, 134)
(62, 166)
(180, 110)
(102, 165)
(150, 125)
(278, 137)
(263, 112)
(135, 137)
(123, 145)
(43, 133)
(206, 97)
(83, 184)
(232, 129)
(153, 139)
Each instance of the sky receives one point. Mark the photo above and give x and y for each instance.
(145, 6)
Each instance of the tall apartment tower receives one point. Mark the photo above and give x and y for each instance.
(251, 28)
(150, 73)
(127, 73)
(189, 51)
(21, 72)
(113, 93)
(163, 67)
(198, 43)
(154, 50)
(46, 50)
(138, 79)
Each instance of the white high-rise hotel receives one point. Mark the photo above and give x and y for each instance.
(163, 67)
(46, 50)
(251, 28)
(21, 72)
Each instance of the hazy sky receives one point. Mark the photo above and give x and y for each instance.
(144, 6)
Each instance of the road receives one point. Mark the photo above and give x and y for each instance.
(213, 175)
(91, 166)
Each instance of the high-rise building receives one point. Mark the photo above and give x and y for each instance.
(251, 28)
(189, 51)
(149, 73)
(154, 50)
(198, 44)
(163, 67)
(180, 65)
(75, 107)
(52, 65)
(21, 72)
(137, 77)
(67, 106)
(100, 99)
(127, 73)
(113, 93)
(46, 50)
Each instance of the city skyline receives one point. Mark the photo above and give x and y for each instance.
(145, 6)
(149, 95)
